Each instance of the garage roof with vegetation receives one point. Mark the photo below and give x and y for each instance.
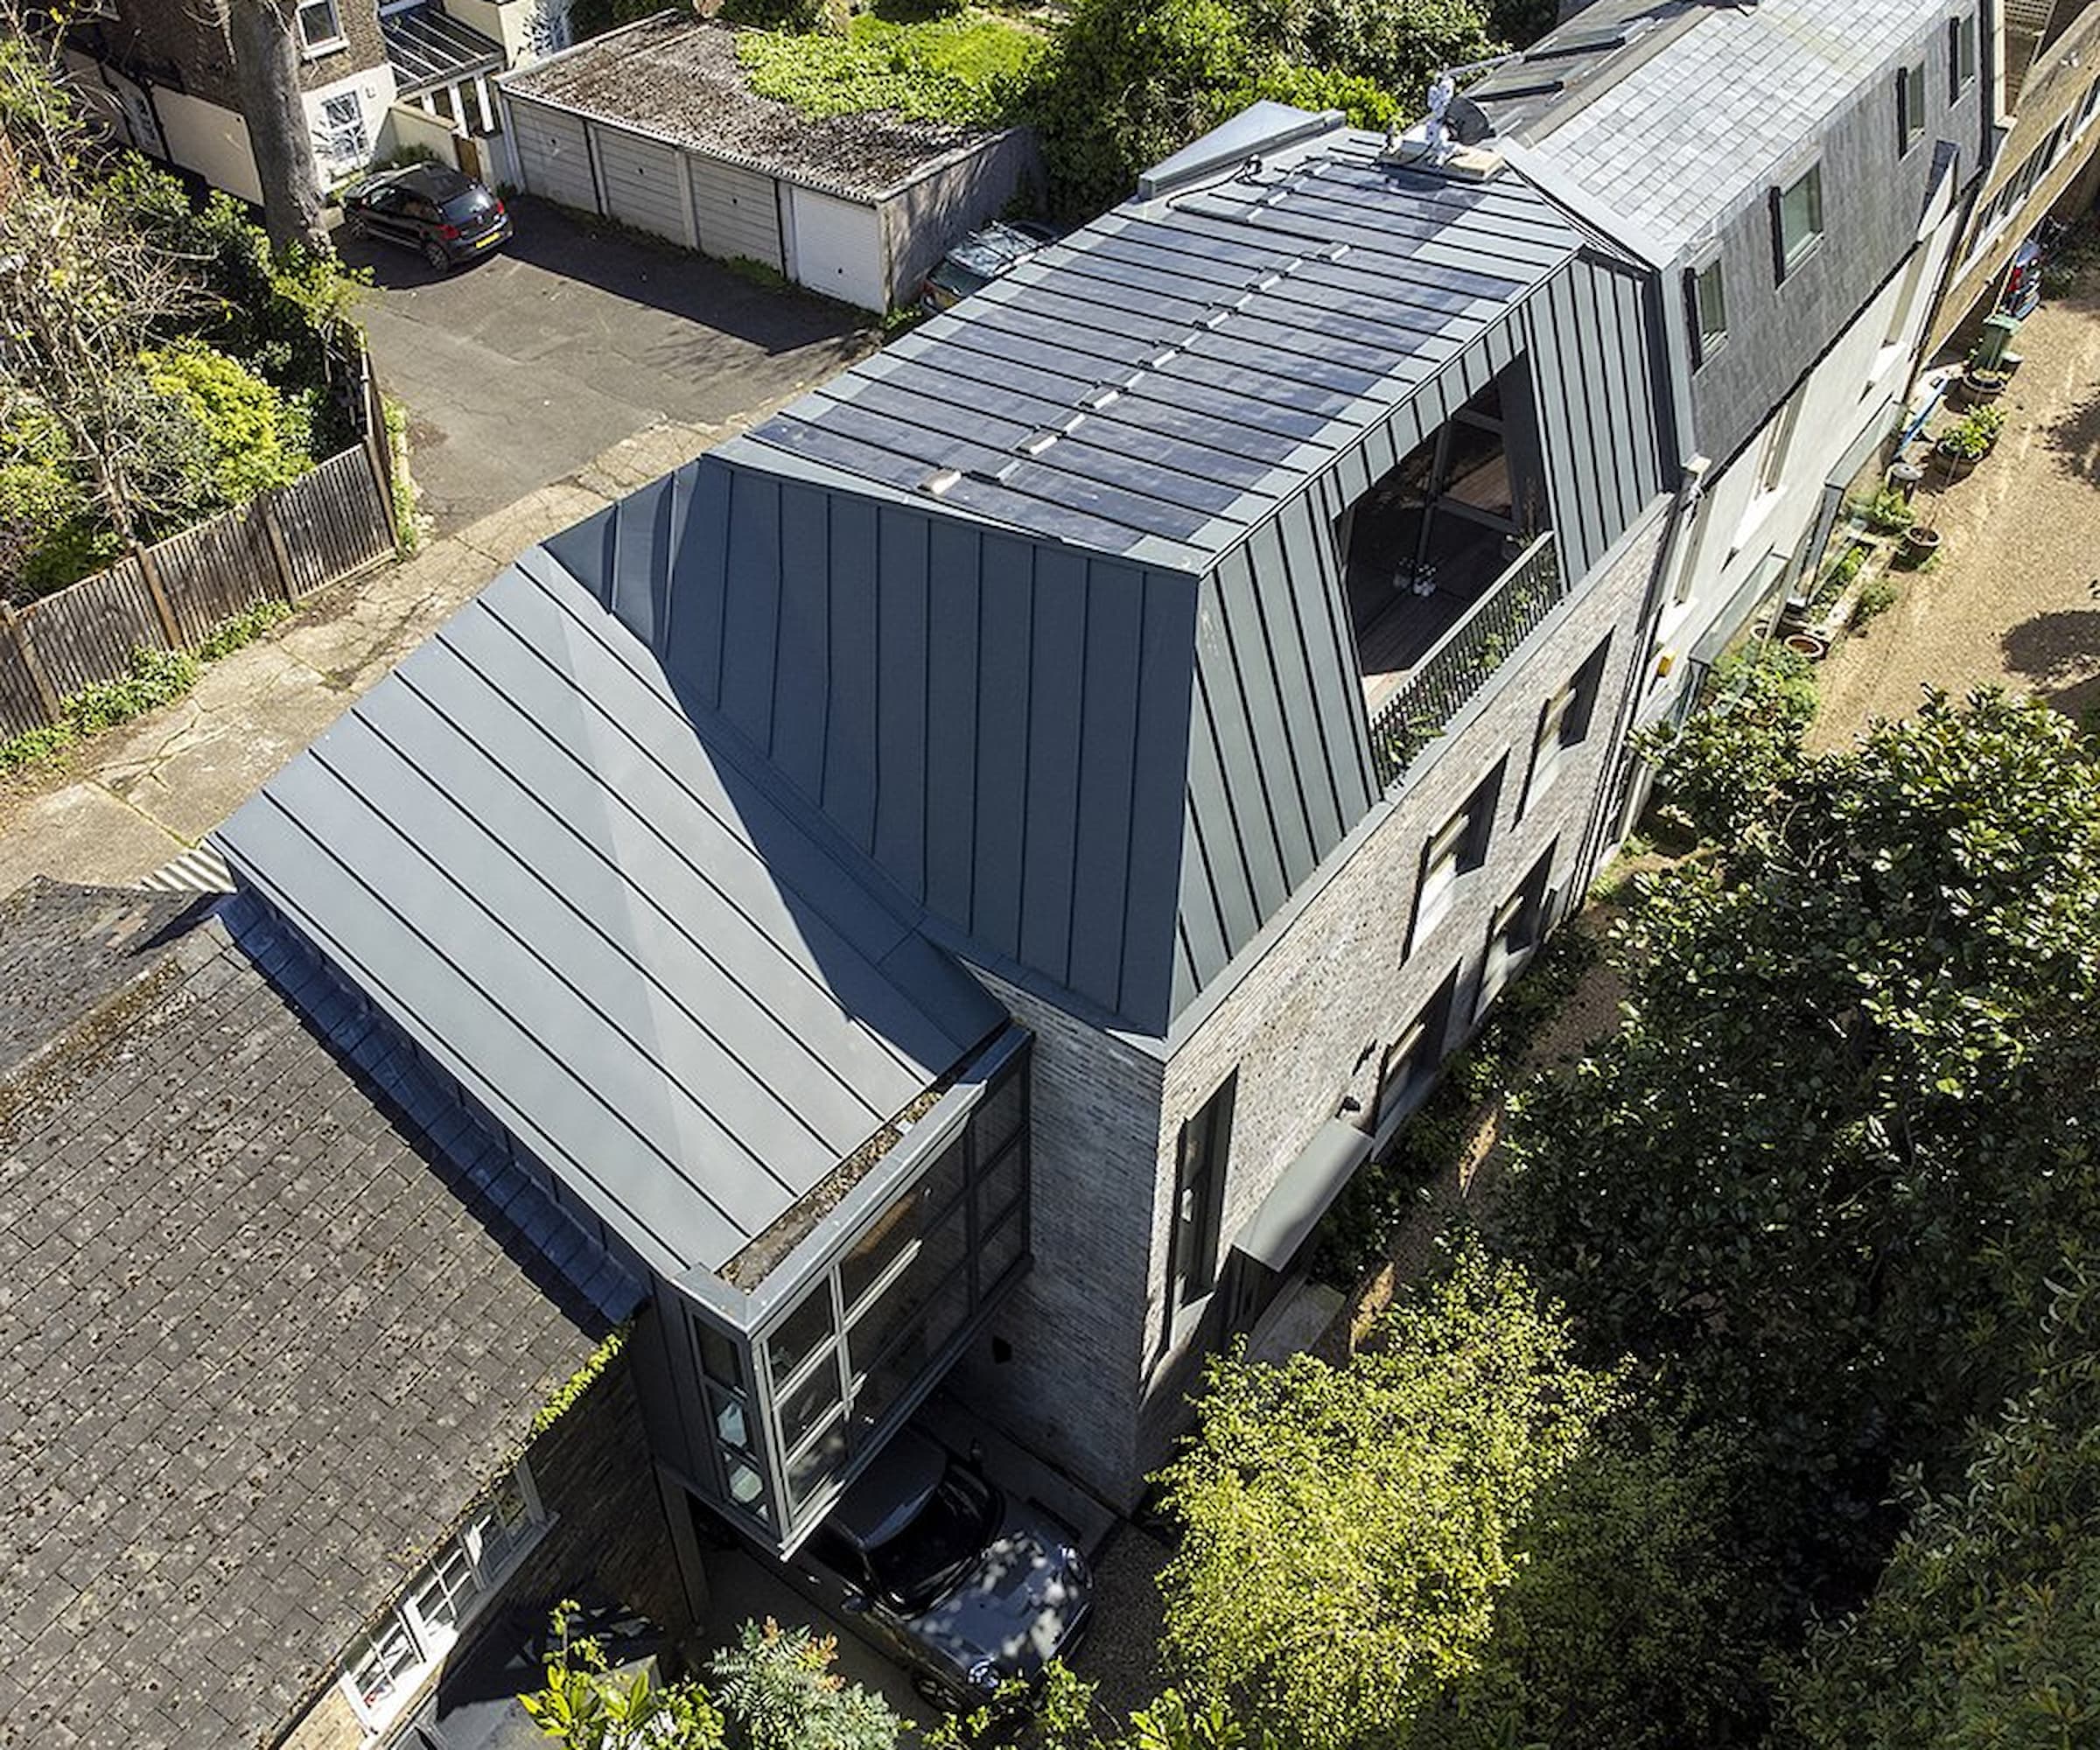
(677, 78)
(278, 1316)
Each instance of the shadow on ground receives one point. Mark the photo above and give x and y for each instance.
(2059, 652)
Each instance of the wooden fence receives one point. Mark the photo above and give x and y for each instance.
(329, 523)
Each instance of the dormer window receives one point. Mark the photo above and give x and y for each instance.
(320, 30)
(1797, 220)
(1706, 299)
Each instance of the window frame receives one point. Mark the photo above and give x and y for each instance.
(311, 47)
(1787, 262)
(1420, 1050)
(1202, 1155)
(1961, 55)
(354, 134)
(1526, 904)
(1705, 342)
(1564, 723)
(1910, 107)
(428, 1640)
(1470, 830)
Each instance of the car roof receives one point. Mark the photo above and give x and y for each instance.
(888, 1494)
(439, 182)
(993, 249)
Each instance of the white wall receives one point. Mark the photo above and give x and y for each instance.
(373, 89)
(836, 248)
(528, 29)
(209, 140)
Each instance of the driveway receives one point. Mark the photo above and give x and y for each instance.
(519, 369)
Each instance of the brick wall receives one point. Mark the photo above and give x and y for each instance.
(1308, 1022)
(1073, 1327)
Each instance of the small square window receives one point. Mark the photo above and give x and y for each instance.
(1910, 107)
(1708, 298)
(1797, 218)
(319, 27)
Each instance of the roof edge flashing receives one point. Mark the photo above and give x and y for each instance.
(1263, 127)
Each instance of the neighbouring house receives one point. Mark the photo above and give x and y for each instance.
(655, 125)
(280, 1319)
(1796, 174)
(2044, 78)
(951, 883)
(376, 76)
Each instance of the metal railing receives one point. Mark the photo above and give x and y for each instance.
(1459, 664)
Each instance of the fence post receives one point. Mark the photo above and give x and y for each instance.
(378, 445)
(288, 582)
(162, 611)
(47, 695)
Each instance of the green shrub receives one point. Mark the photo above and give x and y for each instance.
(258, 436)
(157, 678)
(763, 15)
(1877, 595)
(34, 747)
(1715, 768)
(940, 70)
(1888, 512)
(238, 629)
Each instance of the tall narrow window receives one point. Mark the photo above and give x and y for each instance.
(1564, 723)
(1199, 1197)
(1779, 437)
(1410, 1062)
(1709, 300)
(1797, 220)
(1459, 847)
(1517, 927)
(1961, 55)
(1910, 107)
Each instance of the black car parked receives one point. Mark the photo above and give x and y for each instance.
(446, 217)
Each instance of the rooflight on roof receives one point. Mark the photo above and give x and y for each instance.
(940, 481)
(1100, 396)
(1036, 442)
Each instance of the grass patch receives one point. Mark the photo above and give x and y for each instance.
(407, 537)
(960, 69)
(242, 628)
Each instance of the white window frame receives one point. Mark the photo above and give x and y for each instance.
(487, 1562)
(1790, 257)
(312, 47)
(1706, 341)
(1961, 55)
(342, 141)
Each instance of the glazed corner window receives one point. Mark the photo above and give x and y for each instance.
(1564, 723)
(1961, 55)
(1459, 847)
(1708, 298)
(319, 27)
(1797, 220)
(1910, 107)
(387, 1666)
(1199, 1197)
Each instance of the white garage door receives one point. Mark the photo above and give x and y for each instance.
(553, 160)
(735, 211)
(838, 249)
(644, 184)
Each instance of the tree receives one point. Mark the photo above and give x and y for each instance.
(266, 57)
(1349, 1532)
(1986, 1628)
(778, 1689)
(1842, 1134)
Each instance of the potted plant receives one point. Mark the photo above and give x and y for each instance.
(1888, 512)
(1919, 545)
(1982, 384)
(1961, 446)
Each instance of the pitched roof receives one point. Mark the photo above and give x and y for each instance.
(562, 883)
(1674, 115)
(267, 1340)
(1163, 378)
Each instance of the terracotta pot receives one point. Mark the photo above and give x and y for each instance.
(1809, 644)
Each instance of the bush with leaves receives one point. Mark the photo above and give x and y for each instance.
(1984, 1630)
(585, 1705)
(1349, 1532)
(1844, 1131)
(777, 1689)
(1716, 768)
(258, 437)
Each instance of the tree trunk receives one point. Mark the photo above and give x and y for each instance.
(265, 34)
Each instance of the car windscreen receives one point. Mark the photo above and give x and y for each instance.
(922, 1561)
(469, 203)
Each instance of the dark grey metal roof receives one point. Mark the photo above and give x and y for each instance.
(428, 47)
(274, 1319)
(560, 882)
(1162, 380)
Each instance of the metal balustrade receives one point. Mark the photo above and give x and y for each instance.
(1460, 663)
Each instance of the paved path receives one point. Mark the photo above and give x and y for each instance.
(2016, 600)
(137, 796)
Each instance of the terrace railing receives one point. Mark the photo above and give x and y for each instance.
(1460, 663)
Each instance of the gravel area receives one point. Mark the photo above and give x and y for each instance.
(2015, 599)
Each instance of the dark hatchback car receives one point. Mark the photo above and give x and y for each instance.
(980, 258)
(964, 1587)
(446, 217)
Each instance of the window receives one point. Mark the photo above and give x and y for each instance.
(1910, 107)
(1772, 455)
(1411, 1060)
(387, 1666)
(1199, 1198)
(1518, 926)
(341, 137)
(320, 28)
(1564, 723)
(1459, 847)
(1797, 220)
(1709, 302)
(1961, 55)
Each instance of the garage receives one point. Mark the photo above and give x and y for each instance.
(653, 125)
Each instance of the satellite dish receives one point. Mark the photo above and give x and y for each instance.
(1468, 122)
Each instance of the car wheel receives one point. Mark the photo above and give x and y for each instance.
(353, 224)
(433, 252)
(932, 1693)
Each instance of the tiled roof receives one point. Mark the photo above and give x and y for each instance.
(263, 1341)
(1673, 116)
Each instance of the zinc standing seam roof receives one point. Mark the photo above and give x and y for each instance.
(1161, 380)
(529, 853)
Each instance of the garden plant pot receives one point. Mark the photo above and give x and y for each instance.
(1981, 386)
(1812, 645)
(1954, 463)
(1919, 545)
